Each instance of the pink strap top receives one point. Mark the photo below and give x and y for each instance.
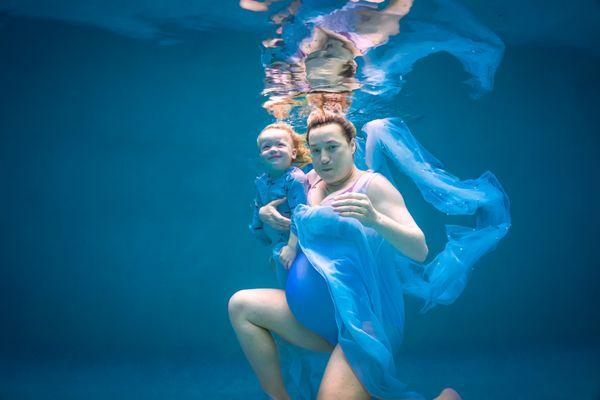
(359, 186)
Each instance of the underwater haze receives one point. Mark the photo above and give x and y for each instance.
(127, 163)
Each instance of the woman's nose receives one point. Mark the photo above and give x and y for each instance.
(324, 158)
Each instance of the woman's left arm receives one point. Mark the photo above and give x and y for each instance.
(383, 209)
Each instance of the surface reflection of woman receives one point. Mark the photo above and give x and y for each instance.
(303, 313)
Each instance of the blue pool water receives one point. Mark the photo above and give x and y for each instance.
(524, 374)
(126, 165)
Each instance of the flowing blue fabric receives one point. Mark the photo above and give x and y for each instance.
(390, 145)
(367, 277)
(433, 26)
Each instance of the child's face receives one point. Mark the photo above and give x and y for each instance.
(276, 149)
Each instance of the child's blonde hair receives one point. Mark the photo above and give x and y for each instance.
(298, 141)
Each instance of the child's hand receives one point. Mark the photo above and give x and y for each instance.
(287, 255)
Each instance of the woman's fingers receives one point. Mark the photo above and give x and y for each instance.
(280, 227)
(350, 202)
(357, 199)
(277, 202)
(277, 220)
(281, 219)
(280, 222)
(352, 214)
(271, 216)
(351, 195)
(341, 209)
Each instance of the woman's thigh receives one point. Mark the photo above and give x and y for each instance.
(339, 381)
(268, 308)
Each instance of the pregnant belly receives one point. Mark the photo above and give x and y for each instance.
(309, 299)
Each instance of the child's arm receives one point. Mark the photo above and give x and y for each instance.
(293, 241)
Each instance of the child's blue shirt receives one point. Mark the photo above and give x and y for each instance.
(291, 184)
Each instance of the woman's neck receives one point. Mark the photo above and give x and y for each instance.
(335, 186)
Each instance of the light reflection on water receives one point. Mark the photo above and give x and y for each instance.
(318, 71)
(326, 58)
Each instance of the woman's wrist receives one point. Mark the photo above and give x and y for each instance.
(378, 221)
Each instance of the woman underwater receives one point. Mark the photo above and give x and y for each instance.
(322, 308)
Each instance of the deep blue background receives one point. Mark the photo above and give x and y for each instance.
(126, 172)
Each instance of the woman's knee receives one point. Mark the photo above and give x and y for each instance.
(238, 303)
(256, 304)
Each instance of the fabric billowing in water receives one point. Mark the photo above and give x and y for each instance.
(433, 27)
(367, 277)
(390, 145)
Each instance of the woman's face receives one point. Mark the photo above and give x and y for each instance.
(276, 149)
(332, 155)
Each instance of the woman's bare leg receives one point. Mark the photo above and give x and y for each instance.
(254, 313)
(339, 381)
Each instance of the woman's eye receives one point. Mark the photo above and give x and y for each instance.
(331, 148)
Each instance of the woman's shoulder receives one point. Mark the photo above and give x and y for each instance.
(379, 186)
(378, 177)
(364, 180)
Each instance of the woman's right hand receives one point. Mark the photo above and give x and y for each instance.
(269, 215)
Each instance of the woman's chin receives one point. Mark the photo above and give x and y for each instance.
(328, 179)
(327, 175)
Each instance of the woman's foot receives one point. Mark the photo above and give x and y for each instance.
(448, 394)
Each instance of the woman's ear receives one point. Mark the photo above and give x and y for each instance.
(353, 145)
